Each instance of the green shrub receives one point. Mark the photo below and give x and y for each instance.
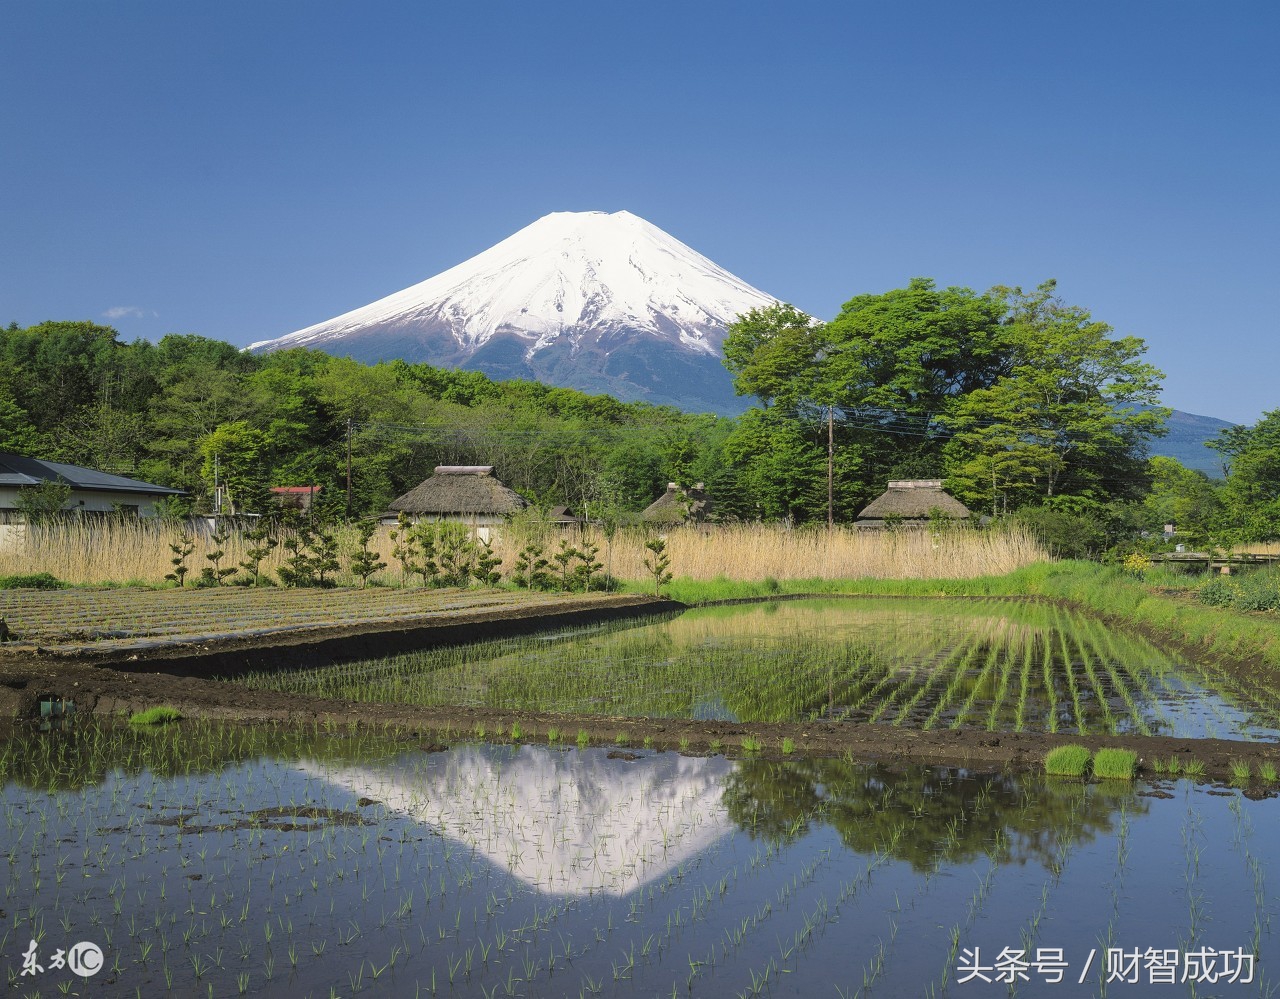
(32, 581)
(1067, 761)
(161, 714)
(1066, 535)
(1115, 764)
(1217, 592)
(1258, 590)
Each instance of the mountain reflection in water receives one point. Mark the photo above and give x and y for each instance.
(563, 821)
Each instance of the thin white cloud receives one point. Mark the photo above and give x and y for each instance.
(129, 311)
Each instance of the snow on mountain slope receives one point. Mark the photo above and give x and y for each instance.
(584, 277)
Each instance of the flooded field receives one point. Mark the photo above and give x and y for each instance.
(999, 665)
(251, 861)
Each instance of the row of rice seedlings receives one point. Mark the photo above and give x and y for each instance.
(1105, 640)
(1243, 842)
(918, 649)
(980, 684)
(1100, 694)
(1078, 715)
(1024, 685)
(962, 672)
(938, 671)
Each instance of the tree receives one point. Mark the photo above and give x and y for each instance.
(1071, 415)
(232, 454)
(16, 432)
(1181, 496)
(913, 349)
(775, 354)
(41, 503)
(1251, 496)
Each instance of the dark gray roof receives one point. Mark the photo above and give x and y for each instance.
(18, 470)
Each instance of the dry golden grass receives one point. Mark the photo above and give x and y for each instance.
(139, 553)
(756, 552)
(1257, 548)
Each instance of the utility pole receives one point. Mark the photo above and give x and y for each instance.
(348, 469)
(831, 452)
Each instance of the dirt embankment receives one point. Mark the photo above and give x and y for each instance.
(122, 677)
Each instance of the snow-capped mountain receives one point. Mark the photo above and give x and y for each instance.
(587, 300)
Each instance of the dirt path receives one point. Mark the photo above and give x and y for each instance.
(122, 675)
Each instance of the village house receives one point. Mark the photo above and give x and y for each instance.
(912, 503)
(91, 494)
(465, 494)
(298, 498)
(679, 506)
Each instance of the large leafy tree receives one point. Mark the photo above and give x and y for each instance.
(1071, 415)
(1251, 496)
(1019, 397)
(777, 354)
(1181, 496)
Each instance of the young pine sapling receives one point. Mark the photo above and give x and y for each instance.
(658, 563)
(364, 563)
(181, 549)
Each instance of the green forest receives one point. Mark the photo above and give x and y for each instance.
(1024, 404)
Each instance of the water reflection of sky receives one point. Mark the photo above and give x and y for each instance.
(552, 872)
(565, 822)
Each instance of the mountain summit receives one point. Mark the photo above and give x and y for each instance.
(588, 300)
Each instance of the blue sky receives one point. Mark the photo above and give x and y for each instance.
(241, 170)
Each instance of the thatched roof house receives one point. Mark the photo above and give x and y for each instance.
(678, 506)
(470, 494)
(911, 502)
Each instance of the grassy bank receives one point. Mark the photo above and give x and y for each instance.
(1105, 590)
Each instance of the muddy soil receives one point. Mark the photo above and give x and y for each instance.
(179, 675)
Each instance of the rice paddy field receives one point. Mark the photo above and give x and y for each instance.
(204, 859)
(989, 663)
(200, 860)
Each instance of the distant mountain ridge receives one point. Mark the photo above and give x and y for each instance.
(1186, 441)
(604, 303)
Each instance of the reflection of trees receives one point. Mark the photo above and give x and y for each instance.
(86, 753)
(923, 813)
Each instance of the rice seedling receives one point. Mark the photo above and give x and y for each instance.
(1115, 764)
(788, 746)
(1067, 761)
(1195, 769)
(1267, 772)
(1241, 773)
(159, 715)
(750, 744)
(584, 738)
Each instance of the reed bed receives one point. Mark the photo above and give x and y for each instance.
(138, 552)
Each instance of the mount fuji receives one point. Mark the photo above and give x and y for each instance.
(603, 303)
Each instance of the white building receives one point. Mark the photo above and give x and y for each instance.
(93, 493)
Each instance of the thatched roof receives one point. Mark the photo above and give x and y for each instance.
(460, 490)
(677, 505)
(913, 499)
